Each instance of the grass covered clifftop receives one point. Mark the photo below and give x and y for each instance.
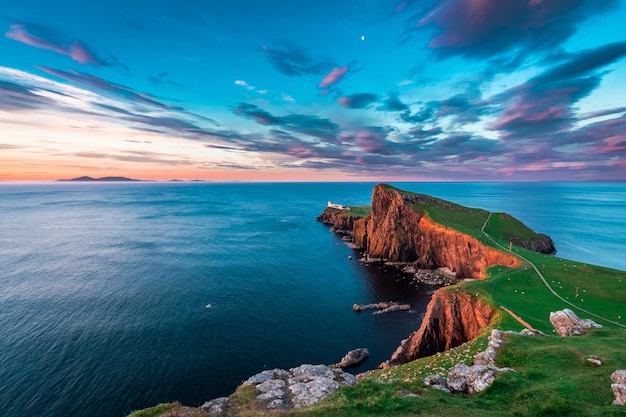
(470, 221)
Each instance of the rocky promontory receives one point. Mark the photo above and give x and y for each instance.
(396, 232)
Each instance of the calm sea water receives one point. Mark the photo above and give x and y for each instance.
(115, 297)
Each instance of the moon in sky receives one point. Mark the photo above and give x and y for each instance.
(362, 37)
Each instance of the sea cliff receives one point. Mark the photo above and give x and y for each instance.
(395, 231)
(451, 319)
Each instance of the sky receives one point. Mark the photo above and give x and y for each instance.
(298, 90)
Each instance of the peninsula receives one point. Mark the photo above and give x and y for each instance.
(504, 276)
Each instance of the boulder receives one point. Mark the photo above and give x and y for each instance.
(619, 387)
(278, 389)
(596, 360)
(217, 407)
(437, 381)
(384, 307)
(354, 357)
(567, 323)
(470, 379)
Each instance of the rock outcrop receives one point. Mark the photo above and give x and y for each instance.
(541, 244)
(396, 232)
(279, 389)
(619, 387)
(451, 319)
(385, 307)
(474, 378)
(305, 385)
(337, 219)
(354, 357)
(567, 323)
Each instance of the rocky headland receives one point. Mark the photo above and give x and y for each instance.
(399, 232)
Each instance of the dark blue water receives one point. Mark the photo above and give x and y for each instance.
(104, 288)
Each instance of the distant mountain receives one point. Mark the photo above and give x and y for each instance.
(103, 179)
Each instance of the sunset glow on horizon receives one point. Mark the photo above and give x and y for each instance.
(362, 90)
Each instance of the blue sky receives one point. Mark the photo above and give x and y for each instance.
(327, 90)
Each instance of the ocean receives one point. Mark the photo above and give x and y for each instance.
(118, 296)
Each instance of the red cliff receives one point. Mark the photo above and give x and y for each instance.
(451, 319)
(396, 232)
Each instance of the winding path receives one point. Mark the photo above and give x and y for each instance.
(545, 282)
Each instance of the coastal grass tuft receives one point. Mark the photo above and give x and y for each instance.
(156, 411)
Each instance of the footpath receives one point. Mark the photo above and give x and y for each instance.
(543, 279)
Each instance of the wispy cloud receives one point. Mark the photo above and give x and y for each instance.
(93, 82)
(294, 61)
(308, 125)
(244, 84)
(357, 101)
(393, 103)
(57, 41)
(334, 76)
(16, 97)
(544, 104)
(485, 28)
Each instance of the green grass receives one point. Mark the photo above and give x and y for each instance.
(507, 227)
(359, 211)
(156, 411)
(552, 378)
(468, 221)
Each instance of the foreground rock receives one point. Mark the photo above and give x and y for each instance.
(217, 407)
(567, 323)
(385, 307)
(354, 357)
(473, 378)
(619, 387)
(305, 385)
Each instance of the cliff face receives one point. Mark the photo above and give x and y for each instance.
(451, 319)
(396, 232)
(543, 244)
(337, 219)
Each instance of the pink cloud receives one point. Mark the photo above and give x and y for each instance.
(43, 38)
(613, 144)
(334, 76)
(344, 101)
(489, 27)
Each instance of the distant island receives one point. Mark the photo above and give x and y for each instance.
(102, 179)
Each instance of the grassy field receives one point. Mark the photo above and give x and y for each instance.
(552, 376)
(359, 211)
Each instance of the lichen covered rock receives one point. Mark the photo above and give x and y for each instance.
(567, 323)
